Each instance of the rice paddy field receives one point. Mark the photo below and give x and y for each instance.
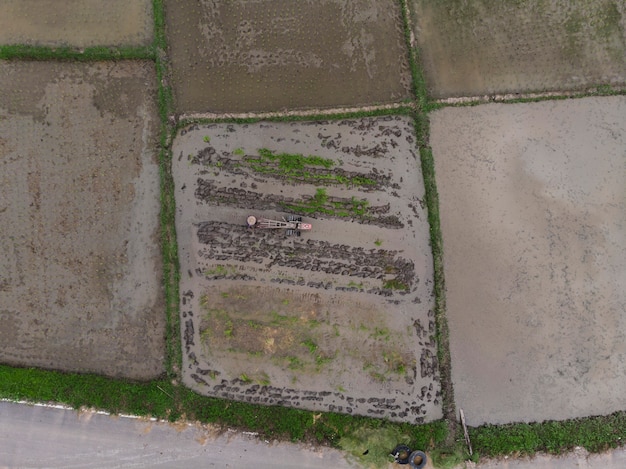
(532, 200)
(77, 23)
(80, 288)
(484, 47)
(274, 55)
(339, 318)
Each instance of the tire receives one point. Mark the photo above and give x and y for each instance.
(401, 454)
(418, 460)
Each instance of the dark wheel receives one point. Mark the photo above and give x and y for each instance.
(417, 460)
(401, 454)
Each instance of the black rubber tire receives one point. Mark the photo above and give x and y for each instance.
(398, 451)
(417, 455)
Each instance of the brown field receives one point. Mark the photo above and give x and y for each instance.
(269, 55)
(487, 47)
(340, 318)
(533, 204)
(78, 23)
(80, 282)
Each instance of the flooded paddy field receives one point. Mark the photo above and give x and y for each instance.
(77, 23)
(270, 55)
(486, 47)
(80, 281)
(533, 204)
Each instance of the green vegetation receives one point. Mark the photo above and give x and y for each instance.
(311, 345)
(598, 90)
(64, 53)
(295, 166)
(293, 161)
(381, 333)
(594, 433)
(228, 329)
(164, 400)
(395, 284)
(280, 320)
(169, 245)
(320, 203)
(263, 379)
(422, 132)
(295, 363)
(264, 336)
(398, 111)
(220, 271)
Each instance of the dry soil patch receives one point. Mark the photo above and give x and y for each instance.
(78, 23)
(533, 204)
(486, 47)
(79, 203)
(268, 55)
(340, 318)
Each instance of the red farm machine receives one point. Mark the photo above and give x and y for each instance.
(292, 224)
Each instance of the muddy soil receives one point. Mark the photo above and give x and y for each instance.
(78, 23)
(80, 282)
(269, 55)
(533, 204)
(485, 47)
(339, 318)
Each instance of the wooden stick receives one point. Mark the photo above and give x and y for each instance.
(467, 438)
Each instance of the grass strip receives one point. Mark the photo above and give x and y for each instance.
(402, 111)
(169, 244)
(596, 434)
(597, 91)
(64, 53)
(442, 330)
(164, 400)
(422, 132)
(420, 89)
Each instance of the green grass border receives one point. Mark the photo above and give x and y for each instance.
(590, 92)
(169, 244)
(75, 54)
(331, 116)
(164, 400)
(422, 132)
(596, 434)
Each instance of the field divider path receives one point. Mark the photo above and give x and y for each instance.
(330, 112)
(529, 97)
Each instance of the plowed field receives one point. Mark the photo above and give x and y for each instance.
(339, 318)
(80, 282)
